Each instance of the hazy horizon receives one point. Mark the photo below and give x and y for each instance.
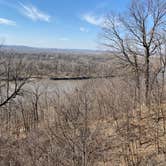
(55, 24)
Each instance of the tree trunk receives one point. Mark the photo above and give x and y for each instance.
(147, 77)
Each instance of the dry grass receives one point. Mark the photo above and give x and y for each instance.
(97, 124)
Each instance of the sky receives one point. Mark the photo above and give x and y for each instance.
(67, 24)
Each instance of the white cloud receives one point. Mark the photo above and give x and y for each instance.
(7, 22)
(64, 39)
(82, 29)
(33, 13)
(93, 19)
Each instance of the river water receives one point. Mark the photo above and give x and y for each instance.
(54, 86)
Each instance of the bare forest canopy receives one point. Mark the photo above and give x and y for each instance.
(64, 64)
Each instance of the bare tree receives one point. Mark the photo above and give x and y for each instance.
(135, 37)
(14, 74)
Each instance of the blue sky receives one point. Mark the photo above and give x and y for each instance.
(55, 23)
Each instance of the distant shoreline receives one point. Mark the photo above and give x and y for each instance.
(79, 78)
(60, 78)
